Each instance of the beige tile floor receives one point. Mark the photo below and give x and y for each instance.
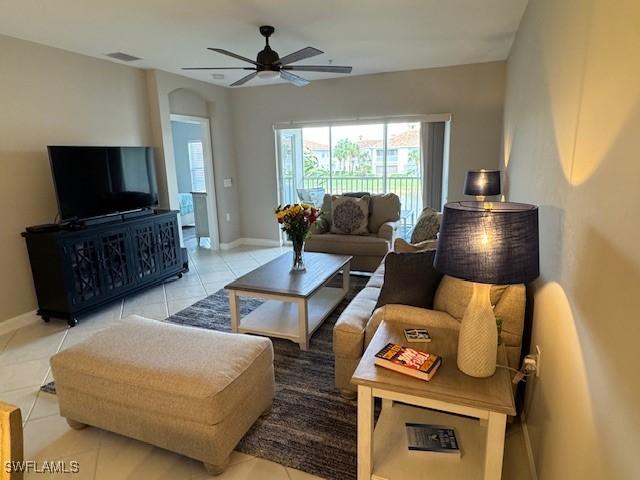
(24, 366)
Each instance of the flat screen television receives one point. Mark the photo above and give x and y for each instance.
(99, 181)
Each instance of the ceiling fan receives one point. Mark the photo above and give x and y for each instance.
(268, 63)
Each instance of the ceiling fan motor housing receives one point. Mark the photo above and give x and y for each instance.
(268, 59)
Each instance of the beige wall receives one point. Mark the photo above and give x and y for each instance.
(572, 145)
(169, 93)
(473, 94)
(49, 96)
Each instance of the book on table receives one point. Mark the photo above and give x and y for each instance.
(417, 335)
(432, 438)
(408, 361)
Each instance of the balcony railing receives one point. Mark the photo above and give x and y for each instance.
(409, 189)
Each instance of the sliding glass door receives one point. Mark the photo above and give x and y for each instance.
(373, 158)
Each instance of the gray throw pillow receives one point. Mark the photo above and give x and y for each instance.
(427, 226)
(409, 279)
(349, 215)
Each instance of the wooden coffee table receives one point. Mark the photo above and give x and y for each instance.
(297, 303)
(476, 408)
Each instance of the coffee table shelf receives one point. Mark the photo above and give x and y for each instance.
(279, 319)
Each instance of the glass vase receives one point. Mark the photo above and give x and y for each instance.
(298, 258)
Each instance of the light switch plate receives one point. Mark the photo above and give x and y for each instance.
(228, 182)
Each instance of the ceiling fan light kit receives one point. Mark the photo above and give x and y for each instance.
(269, 65)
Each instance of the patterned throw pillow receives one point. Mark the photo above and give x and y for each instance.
(427, 226)
(349, 215)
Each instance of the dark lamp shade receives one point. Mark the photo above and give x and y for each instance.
(482, 183)
(497, 245)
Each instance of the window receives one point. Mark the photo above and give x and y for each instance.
(196, 163)
(376, 158)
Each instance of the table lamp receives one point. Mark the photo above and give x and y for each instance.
(482, 183)
(496, 245)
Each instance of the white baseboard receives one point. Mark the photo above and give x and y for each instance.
(228, 246)
(258, 242)
(18, 322)
(261, 242)
(528, 448)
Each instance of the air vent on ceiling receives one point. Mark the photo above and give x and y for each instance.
(124, 57)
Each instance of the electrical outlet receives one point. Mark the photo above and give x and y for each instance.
(228, 217)
(538, 360)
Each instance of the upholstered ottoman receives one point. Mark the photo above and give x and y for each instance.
(189, 390)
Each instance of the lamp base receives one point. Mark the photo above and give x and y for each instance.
(478, 339)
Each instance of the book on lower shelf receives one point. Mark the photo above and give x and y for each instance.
(408, 361)
(432, 438)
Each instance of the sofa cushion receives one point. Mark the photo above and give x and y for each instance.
(347, 244)
(454, 295)
(418, 317)
(427, 226)
(409, 279)
(190, 373)
(383, 208)
(349, 215)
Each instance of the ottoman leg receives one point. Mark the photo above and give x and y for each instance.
(75, 424)
(216, 469)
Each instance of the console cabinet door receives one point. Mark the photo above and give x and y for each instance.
(82, 270)
(168, 243)
(116, 261)
(144, 238)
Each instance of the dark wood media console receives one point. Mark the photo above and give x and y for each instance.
(77, 270)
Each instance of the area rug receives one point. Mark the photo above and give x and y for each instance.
(310, 428)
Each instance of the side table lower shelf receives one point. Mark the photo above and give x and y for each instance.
(393, 460)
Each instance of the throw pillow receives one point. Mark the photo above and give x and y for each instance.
(384, 208)
(349, 215)
(427, 226)
(409, 279)
(400, 245)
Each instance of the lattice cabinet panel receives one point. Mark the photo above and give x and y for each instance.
(146, 250)
(168, 240)
(84, 270)
(115, 265)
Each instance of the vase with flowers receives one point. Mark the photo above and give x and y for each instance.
(295, 220)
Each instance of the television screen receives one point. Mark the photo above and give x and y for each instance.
(98, 181)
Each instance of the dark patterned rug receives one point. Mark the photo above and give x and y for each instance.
(310, 428)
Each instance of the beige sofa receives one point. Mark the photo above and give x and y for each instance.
(358, 322)
(367, 250)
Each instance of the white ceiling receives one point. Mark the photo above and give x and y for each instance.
(371, 35)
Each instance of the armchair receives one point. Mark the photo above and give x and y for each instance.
(367, 250)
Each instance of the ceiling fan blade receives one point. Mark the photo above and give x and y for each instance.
(318, 68)
(217, 68)
(301, 54)
(295, 79)
(234, 55)
(244, 80)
